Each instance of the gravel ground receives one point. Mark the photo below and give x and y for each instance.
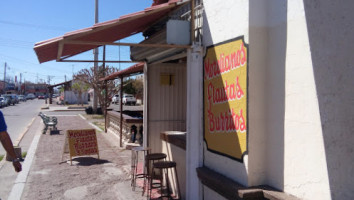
(88, 177)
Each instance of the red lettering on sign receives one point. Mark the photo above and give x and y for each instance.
(223, 64)
(225, 93)
(227, 122)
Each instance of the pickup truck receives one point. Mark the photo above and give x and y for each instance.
(115, 99)
(128, 99)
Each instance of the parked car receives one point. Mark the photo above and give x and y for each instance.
(30, 96)
(11, 99)
(15, 97)
(41, 96)
(128, 99)
(115, 99)
(22, 98)
(6, 100)
(2, 102)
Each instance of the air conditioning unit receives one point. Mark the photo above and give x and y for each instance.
(178, 32)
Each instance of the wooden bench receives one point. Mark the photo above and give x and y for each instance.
(48, 122)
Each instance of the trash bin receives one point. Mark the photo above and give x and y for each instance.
(133, 131)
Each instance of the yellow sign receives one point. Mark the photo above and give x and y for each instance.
(225, 98)
(82, 142)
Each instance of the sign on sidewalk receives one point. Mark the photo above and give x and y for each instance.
(82, 143)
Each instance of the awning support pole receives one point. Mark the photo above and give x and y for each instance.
(106, 90)
(121, 112)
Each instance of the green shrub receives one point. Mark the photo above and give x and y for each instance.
(24, 154)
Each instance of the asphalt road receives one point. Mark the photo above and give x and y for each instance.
(18, 117)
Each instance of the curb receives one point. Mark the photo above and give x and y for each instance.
(63, 110)
(21, 180)
(96, 127)
(19, 139)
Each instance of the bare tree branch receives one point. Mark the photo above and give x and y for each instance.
(93, 80)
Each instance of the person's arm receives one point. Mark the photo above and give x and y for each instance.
(7, 144)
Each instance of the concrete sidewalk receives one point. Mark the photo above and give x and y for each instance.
(88, 178)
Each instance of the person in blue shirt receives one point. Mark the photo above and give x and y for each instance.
(7, 144)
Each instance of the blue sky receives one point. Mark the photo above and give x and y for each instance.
(23, 23)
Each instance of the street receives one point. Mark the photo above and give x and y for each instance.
(18, 117)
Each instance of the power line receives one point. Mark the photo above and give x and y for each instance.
(53, 28)
(28, 62)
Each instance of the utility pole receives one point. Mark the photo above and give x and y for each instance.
(95, 52)
(24, 87)
(73, 72)
(5, 78)
(49, 78)
(20, 89)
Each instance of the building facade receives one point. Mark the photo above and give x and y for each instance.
(258, 103)
(299, 97)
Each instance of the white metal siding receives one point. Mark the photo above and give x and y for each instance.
(167, 103)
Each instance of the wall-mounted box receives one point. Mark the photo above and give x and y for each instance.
(178, 32)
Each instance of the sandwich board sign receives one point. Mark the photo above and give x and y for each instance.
(82, 143)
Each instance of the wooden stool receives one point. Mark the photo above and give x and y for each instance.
(134, 165)
(150, 159)
(164, 167)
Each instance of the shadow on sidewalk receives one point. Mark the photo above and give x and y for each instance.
(88, 161)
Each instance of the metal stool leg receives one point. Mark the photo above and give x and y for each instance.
(132, 171)
(135, 169)
(149, 161)
(135, 160)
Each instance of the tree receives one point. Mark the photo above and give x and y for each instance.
(80, 87)
(93, 80)
(128, 87)
(138, 85)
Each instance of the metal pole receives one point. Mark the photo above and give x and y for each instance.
(20, 89)
(5, 78)
(106, 89)
(121, 112)
(95, 52)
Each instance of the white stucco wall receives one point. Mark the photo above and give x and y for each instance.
(301, 100)
(257, 105)
(300, 94)
(222, 22)
(319, 100)
(305, 168)
(296, 56)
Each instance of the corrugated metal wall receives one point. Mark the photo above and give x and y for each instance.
(167, 103)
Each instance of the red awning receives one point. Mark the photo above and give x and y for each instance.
(109, 31)
(135, 69)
